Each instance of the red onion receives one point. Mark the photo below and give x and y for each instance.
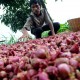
(40, 53)
(61, 60)
(52, 72)
(64, 70)
(9, 67)
(3, 74)
(21, 76)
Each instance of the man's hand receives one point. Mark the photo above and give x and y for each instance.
(52, 29)
(25, 35)
(53, 33)
(24, 38)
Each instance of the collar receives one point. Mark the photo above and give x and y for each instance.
(38, 15)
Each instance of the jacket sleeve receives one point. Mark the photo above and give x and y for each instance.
(28, 24)
(47, 18)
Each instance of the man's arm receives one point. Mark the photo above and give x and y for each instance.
(52, 28)
(48, 21)
(26, 28)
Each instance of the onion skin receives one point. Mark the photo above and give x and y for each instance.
(38, 63)
(35, 63)
(54, 54)
(9, 67)
(32, 72)
(21, 76)
(22, 65)
(13, 59)
(74, 63)
(28, 66)
(68, 41)
(15, 78)
(61, 60)
(1, 64)
(5, 78)
(52, 72)
(16, 69)
(10, 75)
(66, 54)
(41, 76)
(74, 48)
(78, 74)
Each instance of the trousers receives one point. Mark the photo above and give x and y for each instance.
(38, 31)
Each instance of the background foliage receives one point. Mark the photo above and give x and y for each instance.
(16, 12)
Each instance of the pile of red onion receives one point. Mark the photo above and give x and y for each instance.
(51, 58)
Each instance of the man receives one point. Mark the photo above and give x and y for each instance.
(38, 21)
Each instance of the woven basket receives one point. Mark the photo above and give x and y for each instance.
(74, 24)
